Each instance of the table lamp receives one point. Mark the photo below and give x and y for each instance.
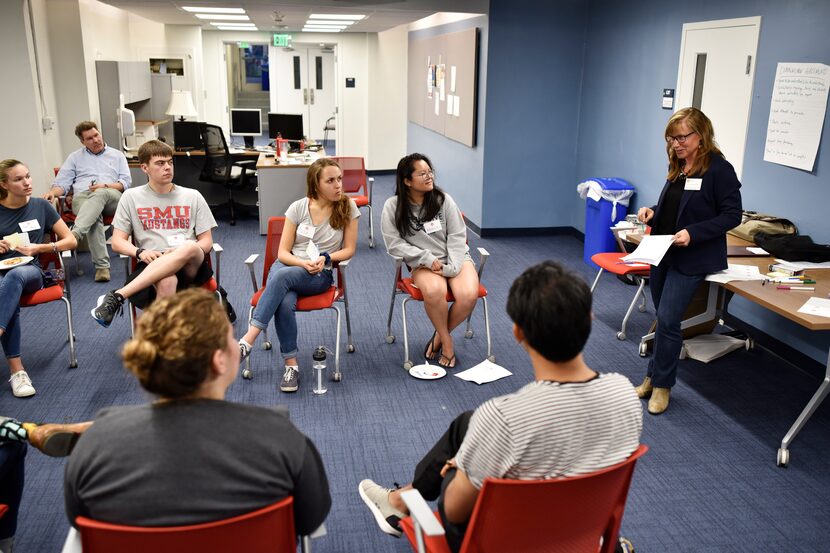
(181, 104)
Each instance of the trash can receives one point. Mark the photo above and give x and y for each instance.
(606, 203)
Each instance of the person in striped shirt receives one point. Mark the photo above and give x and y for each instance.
(570, 420)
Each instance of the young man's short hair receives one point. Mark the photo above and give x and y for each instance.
(552, 306)
(84, 126)
(153, 148)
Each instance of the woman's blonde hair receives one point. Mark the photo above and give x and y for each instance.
(698, 123)
(5, 165)
(174, 343)
(341, 211)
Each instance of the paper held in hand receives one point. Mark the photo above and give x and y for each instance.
(17, 239)
(651, 250)
(312, 251)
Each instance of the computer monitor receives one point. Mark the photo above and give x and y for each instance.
(288, 126)
(246, 123)
(187, 136)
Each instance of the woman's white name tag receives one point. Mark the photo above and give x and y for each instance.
(305, 230)
(31, 224)
(432, 226)
(693, 184)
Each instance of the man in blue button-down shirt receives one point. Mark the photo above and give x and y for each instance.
(96, 175)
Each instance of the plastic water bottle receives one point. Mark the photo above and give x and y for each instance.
(319, 367)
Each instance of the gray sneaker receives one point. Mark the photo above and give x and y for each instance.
(290, 379)
(376, 497)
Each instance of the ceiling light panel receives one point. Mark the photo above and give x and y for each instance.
(217, 17)
(320, 30)
(193, 9)
(328, 22)
(237, 28)
(336, 16)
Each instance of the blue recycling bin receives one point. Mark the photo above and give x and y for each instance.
(606, 203)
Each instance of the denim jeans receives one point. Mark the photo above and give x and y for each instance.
(24, 279)
(279, 301)
(671, 292)
(12, 457)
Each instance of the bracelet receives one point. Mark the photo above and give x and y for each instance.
(138, 253)
(54, 247)
(327, 256)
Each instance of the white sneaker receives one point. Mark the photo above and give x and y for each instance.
(22, 384)
(376, 497)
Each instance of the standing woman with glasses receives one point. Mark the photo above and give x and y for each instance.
(422, 225)
(700, 202)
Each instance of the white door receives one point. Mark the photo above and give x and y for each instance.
(716, 74)
(302, 81)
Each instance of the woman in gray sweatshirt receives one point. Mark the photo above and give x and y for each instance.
(422, 225)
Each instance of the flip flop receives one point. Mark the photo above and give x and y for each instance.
(447, 365)
(435, 351)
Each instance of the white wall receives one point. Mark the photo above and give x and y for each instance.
(387, 98)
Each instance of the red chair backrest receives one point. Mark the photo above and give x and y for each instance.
(566, 515)
(354, 174)
(267, 530)
(3, 509)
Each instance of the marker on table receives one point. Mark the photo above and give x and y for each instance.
(805, 288)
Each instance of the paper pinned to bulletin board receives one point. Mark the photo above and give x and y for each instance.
(796, 115)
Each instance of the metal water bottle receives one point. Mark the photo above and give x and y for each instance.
(319, 367)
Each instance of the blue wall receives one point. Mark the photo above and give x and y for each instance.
(632, 53)
(458, 168)
(534, 73)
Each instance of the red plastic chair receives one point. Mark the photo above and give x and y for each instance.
(407, 287)
(565, 515)
(266, 530)
(212, 286)
(3, 509)
(358, 186)
(325, 300)
(59, 292)
(68, 216)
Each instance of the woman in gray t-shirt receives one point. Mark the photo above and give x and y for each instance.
(322, 225)
(423, 226)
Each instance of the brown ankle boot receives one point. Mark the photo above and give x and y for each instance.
(644, 389)
(55, 440)
(659, 401)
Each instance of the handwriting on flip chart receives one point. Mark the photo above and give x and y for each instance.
(796, 115)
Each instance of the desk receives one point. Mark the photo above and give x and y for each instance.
(279, 185)
(785, 303)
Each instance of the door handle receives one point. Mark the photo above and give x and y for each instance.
(312, 95)
(305, 96)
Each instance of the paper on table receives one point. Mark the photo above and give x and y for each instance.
(17, 239)
(736, 272)
(312, 250)
(651, 249)
(819, 307)
(803, 265)
(758, 251)
(484, 372)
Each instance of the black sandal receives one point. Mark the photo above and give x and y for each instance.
(435, 351)
(449, 360)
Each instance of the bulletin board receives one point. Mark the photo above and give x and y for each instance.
(443, 82)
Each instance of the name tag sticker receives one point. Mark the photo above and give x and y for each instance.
(31, 224)
(432, 226)
(693, 184)
(176, 240)
(306, 230)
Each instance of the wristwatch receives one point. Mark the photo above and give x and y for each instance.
(138, 252)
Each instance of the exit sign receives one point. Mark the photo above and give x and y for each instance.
(282, 40)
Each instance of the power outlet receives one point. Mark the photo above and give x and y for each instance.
(47, 123)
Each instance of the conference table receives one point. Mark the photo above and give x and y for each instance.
(783, 302)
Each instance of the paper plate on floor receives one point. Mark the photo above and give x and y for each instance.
(428, 372)
(13, 262)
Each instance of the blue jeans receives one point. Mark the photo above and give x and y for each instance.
(13, 284)
(671, 292)
(12, 456)
(279, 300)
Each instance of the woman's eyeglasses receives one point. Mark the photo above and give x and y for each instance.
(425, 174)
(679, 138)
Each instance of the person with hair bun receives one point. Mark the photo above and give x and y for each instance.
(700, 202)
(190, 456)
(328, 218)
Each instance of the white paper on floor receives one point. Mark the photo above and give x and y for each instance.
(484, 372)
(707, 347)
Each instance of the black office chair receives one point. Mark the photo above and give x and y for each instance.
(220, 167)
